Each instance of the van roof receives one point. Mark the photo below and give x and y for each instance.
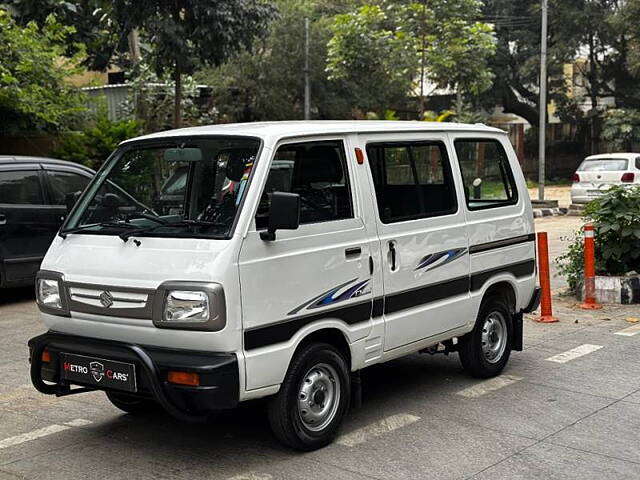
(318, 127)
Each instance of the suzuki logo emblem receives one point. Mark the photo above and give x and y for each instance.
(106, 299)
(97, 370)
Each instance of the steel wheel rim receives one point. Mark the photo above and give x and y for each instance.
(494, 337)
(319, 397)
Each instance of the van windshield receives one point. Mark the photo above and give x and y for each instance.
(189, 187)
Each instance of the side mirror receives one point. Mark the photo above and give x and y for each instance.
(284, 214)
(70, 200)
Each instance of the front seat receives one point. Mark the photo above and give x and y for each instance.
(316, 173)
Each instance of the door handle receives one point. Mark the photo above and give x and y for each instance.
(392, 251)
(353, 252)
(3, 219)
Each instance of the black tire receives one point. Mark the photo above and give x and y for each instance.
(285, 412)
(473, 355)
(132, 404)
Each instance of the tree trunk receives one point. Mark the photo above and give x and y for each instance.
(177, 101)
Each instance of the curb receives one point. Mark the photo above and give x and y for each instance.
(547, 212)
(620, 290)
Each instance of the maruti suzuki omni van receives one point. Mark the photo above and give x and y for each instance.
(294, 255)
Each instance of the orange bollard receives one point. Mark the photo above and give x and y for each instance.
(546, 313)
(590, 270)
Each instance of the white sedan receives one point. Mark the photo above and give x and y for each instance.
(597, 173)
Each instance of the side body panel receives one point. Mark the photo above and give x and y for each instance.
(301, 282)
(501, 239)
(426, 294)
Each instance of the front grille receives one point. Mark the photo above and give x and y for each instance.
(110, 300)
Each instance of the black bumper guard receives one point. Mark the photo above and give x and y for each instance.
(151, 374)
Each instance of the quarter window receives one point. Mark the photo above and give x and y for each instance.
(486, 173)
(21, 187)
(412, 180)
(316, 171)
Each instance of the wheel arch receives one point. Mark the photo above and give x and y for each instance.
(505, 289)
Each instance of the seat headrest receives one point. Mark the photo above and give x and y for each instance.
(318, 164)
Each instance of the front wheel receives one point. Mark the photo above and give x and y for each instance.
(485, 350)
(313, 399)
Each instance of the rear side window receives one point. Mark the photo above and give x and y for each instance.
(64, 183)
(316, 171)
(21, 187)
(412, 180)
(486, 173)
(604, 165)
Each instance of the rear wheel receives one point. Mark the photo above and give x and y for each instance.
(485, 350)
(132, 404)
(313, 399)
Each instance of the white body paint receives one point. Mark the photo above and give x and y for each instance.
(265, 281)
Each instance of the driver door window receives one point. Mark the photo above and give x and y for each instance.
(317, 172)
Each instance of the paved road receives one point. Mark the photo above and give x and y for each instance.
(566, 407)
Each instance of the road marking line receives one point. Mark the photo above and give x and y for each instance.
(41, 432)
(574, 353)
(629, 331)
(78, 422)
(386, 425)
(487, 386)
(251, 476)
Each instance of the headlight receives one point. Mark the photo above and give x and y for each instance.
(186, 306)
(49, 293)
(189, 306)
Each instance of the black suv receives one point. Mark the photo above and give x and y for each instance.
(34, 194)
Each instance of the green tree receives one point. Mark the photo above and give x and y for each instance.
(621, 128)
(93, 28)
(383, 49)
(33, 91)
(183, 35)
(267, 83)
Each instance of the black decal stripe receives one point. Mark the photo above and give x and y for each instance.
(283, 331)
(430, 293)
(378, 305)
(483, 247)
(363, 311)
(518, 270)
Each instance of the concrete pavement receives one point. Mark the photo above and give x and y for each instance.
(422, 416)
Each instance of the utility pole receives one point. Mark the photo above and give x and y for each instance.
(307, 87)
(543, 103)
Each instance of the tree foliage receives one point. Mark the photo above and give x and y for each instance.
(382, 49)
(267, 83)
(33, 92)
(621, 128)
(187, 34)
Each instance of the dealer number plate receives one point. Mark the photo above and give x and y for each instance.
(98, 372)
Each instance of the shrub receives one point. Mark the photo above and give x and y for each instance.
(616, 220)
(94, 144)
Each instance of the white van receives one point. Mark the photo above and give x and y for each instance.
(295, 255)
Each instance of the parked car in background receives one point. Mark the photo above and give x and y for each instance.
(34, 194)
(597, 173)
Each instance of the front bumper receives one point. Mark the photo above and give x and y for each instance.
(219, 377)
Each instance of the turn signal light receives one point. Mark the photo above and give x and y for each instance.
(184, 378)
(46, 357)
(628, 177)
(576, 178)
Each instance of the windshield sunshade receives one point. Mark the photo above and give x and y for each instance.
(192, 188)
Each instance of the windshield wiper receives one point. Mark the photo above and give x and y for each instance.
(153, 218)
(182, 223)
(64, 233)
